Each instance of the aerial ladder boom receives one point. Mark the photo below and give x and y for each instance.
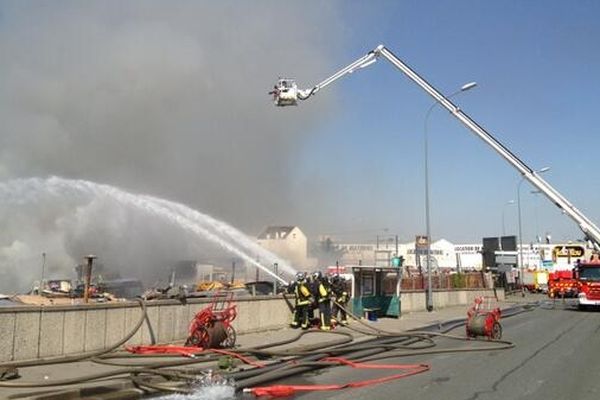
(590, 230)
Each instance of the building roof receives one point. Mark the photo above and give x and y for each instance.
(276, 232)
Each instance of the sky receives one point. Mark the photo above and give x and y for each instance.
(535, 63)
(170, 99)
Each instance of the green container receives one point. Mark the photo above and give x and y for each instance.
(388, 306)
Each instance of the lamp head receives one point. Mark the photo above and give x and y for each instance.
(468, 86)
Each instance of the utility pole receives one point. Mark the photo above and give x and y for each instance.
(43, 272)
(232, 271)
(88, 277)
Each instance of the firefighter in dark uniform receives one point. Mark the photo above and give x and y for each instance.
(312, 286)
(340, 293)
(314, 280)
(324, 302)
(302, 302)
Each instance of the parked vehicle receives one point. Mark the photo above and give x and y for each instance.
(562, 283)
(587, 275)
(536, 281)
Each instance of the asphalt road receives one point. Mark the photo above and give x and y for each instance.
(557, 356)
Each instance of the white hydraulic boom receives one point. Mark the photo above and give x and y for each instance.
(286, 93)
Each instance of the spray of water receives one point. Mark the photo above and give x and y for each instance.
(207, 387)
(33, 190)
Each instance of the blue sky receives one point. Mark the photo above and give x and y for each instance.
(536, 64)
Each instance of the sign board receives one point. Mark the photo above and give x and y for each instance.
(508, 243)
(421, 242)
(506, 257)
(568, 251)
(502, 268)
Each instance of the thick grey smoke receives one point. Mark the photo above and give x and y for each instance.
(168, 98)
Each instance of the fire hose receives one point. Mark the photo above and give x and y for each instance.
(288, 390)
(290, 362)
(284, 390)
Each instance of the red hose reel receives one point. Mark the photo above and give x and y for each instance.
(483, 319)
(212, 327)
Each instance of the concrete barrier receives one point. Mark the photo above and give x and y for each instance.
(416, 300)
(30, 332)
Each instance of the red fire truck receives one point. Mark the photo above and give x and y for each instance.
(587, 274)
(562, 283)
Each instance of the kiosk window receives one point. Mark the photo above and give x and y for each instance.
(367, 285)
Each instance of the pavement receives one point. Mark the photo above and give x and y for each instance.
(407, 321)
(555, 357)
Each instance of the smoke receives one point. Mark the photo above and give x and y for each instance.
(167, 98)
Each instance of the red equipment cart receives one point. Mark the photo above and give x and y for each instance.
(211, 327)
(483, 318)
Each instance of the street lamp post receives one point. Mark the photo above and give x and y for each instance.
(541, 171)
(538, 237)
(429, 297)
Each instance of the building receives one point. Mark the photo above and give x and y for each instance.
(287, 242)
(444, 254)
(469, 256)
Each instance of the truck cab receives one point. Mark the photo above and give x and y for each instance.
(587, 275)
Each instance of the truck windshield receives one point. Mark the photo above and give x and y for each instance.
(589, 273)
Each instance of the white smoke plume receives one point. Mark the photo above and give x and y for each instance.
(168, 98)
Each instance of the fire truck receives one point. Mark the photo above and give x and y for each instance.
(562, 283)
(587, 276)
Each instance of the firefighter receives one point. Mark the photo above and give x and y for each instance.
(324, 301)
(302, 302)
(340, 293)
(313, 286)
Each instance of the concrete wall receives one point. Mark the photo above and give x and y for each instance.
(29, 332)
(415, 300)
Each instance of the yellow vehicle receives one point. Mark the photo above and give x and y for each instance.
(536, 281)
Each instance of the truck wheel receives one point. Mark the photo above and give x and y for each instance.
(497, 331)
(581, 307)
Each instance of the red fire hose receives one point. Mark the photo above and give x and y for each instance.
(288, 390)
(165, 349)
(188, 352)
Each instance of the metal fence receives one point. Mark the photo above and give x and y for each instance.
(471, 280)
